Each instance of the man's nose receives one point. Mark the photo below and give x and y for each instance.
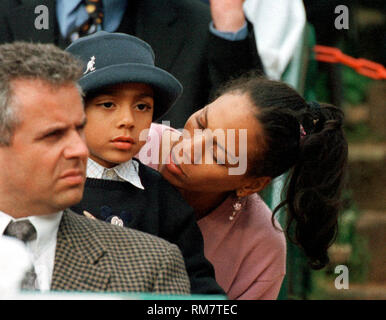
(76, 147)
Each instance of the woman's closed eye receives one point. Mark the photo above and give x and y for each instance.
(199, 124)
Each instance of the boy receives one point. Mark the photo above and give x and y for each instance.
(124, 93)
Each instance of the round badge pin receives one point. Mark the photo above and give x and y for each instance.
(117, 221)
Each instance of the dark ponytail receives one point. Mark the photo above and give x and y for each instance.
(315, 183)
(315, 162)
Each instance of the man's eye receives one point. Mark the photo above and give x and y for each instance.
(53, 134)
(80, 128)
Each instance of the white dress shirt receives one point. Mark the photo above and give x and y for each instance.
(126, 171)
(278, 38)
(42, 249)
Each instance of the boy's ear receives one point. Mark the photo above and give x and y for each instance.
(252, 186)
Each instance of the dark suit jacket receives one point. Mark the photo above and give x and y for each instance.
(92, 255)
(177, 30)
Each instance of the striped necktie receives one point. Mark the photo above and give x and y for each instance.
(94, 9)
(24, 231)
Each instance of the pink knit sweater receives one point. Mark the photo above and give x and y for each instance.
(248, 253)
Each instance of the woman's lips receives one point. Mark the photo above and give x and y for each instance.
(174, 168)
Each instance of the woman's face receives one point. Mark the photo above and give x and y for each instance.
(212, 154)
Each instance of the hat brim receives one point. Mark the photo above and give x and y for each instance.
(166, 87)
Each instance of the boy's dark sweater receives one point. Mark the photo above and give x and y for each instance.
(160, 210)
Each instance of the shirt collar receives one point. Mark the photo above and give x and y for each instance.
(127, 171)
(4, 221)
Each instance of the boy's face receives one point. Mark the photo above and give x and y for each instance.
(115, 118)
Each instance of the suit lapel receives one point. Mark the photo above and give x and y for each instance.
(80, 259)
(24, 28)
(158, 23)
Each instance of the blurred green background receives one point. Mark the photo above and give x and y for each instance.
(361, 241)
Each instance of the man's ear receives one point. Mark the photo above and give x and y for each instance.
(252, 186)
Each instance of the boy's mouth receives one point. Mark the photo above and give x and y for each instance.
(123, 142)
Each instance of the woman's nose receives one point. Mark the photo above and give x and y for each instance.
(191, 149)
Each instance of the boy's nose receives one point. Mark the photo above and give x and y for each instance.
(125, 118)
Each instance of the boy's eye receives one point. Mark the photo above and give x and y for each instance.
(106, 105)
(143, 107)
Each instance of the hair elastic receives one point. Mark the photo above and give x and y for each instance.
(313, 105)
(302, 132)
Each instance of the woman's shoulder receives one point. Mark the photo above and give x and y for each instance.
(260, 212)
(159, 137)
(268, 242)
(258, 220)
(158, 129)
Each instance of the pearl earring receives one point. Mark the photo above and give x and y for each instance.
(237, 207)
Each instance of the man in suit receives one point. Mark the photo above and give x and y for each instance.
(43, 159)
(200, 56)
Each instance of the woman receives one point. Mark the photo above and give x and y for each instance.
(284, 134)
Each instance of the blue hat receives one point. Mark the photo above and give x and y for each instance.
(112, 58)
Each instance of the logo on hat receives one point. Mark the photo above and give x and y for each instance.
(90, 65)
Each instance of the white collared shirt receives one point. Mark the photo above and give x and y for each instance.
(126, 171)
(43, 248)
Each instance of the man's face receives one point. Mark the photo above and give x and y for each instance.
(43, 169)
